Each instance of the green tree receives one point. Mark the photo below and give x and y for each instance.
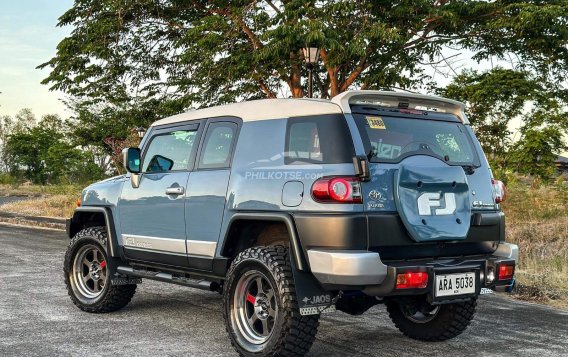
(174, 54)
(127, 63)
(23, 120)
(536, 152)
(499, 99)
(42, 154)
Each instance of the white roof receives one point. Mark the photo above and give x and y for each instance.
(262, 109)
(265, 109)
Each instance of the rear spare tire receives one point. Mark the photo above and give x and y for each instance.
(421, 321)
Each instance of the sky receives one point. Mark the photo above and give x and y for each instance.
(28, 38)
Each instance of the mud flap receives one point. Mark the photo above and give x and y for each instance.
(313, 299)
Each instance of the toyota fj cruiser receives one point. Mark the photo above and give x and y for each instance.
(295, 207)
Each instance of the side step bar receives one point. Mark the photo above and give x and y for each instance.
(169, 278)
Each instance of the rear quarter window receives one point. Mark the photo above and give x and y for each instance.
(323, 139)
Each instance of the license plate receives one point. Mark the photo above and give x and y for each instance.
(455, 284)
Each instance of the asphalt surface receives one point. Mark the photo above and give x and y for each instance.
(9, 199)
(37, 318)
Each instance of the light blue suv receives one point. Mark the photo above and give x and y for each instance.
(296, 207)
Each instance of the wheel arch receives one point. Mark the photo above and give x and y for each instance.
(236, 238)
(85, 217)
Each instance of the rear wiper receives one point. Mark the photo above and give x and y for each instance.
(469, 169)
(371, 155)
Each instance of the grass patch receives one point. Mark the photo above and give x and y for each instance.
(46, 201)
(38, 191)
(537, 220)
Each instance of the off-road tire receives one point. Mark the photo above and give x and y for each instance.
(450, 321)
(292, 334)
(112, 297)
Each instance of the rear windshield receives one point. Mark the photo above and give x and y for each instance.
(391, 139)
(321, 139)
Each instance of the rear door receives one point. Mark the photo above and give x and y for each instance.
(207, 191)
(152, 215)
(426, 174)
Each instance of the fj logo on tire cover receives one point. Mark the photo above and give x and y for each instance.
(429, 200)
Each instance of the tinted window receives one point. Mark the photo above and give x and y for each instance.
(321, 139)
(218, 145)
(390, 139)
(169, 152)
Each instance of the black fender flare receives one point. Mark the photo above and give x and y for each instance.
(74, 225)
(295, 245)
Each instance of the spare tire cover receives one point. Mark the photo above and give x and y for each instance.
(433, 200)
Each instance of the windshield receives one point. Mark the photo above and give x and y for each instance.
(391, 139)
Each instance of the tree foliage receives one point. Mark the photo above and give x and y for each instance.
(8, 126)
(42, 154)
(502, 99)
(181, 53)
(127, 63)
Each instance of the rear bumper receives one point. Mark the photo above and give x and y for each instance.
(364, 270)
(344, 267)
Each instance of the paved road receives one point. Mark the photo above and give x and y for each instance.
(9, 199)
(37, 318)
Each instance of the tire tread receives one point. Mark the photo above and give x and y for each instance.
(455, 320)
(117, 296)
(298, 332)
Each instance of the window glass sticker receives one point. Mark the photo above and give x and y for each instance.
(376, 122)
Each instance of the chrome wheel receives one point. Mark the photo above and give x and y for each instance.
(255, 308)
(89, 272)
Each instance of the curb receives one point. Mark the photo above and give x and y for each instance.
(34, 221)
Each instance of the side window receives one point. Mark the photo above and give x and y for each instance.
(304, 141)
(322, 139)
(218, 144)
(170, 151)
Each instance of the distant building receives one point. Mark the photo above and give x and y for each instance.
(562, 164)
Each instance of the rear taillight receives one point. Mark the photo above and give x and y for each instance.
(500, 190)
(506, 271)
(412, 280)
(337, 190)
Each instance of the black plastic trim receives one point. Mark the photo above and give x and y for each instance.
(295, 245)
(332, 231)
(220, 266)
(109, 221)
(486, 218)
(384, 233)
(153, 256)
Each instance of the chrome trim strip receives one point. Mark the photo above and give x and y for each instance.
(347, 267)
(202, 248)
(159, 244)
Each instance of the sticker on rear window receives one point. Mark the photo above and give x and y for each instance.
(376, 122)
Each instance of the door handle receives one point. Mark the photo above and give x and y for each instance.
(175, 191)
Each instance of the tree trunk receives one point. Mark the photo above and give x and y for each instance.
(295, 82)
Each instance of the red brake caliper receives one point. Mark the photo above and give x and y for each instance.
(103, 264)
(251, 298)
